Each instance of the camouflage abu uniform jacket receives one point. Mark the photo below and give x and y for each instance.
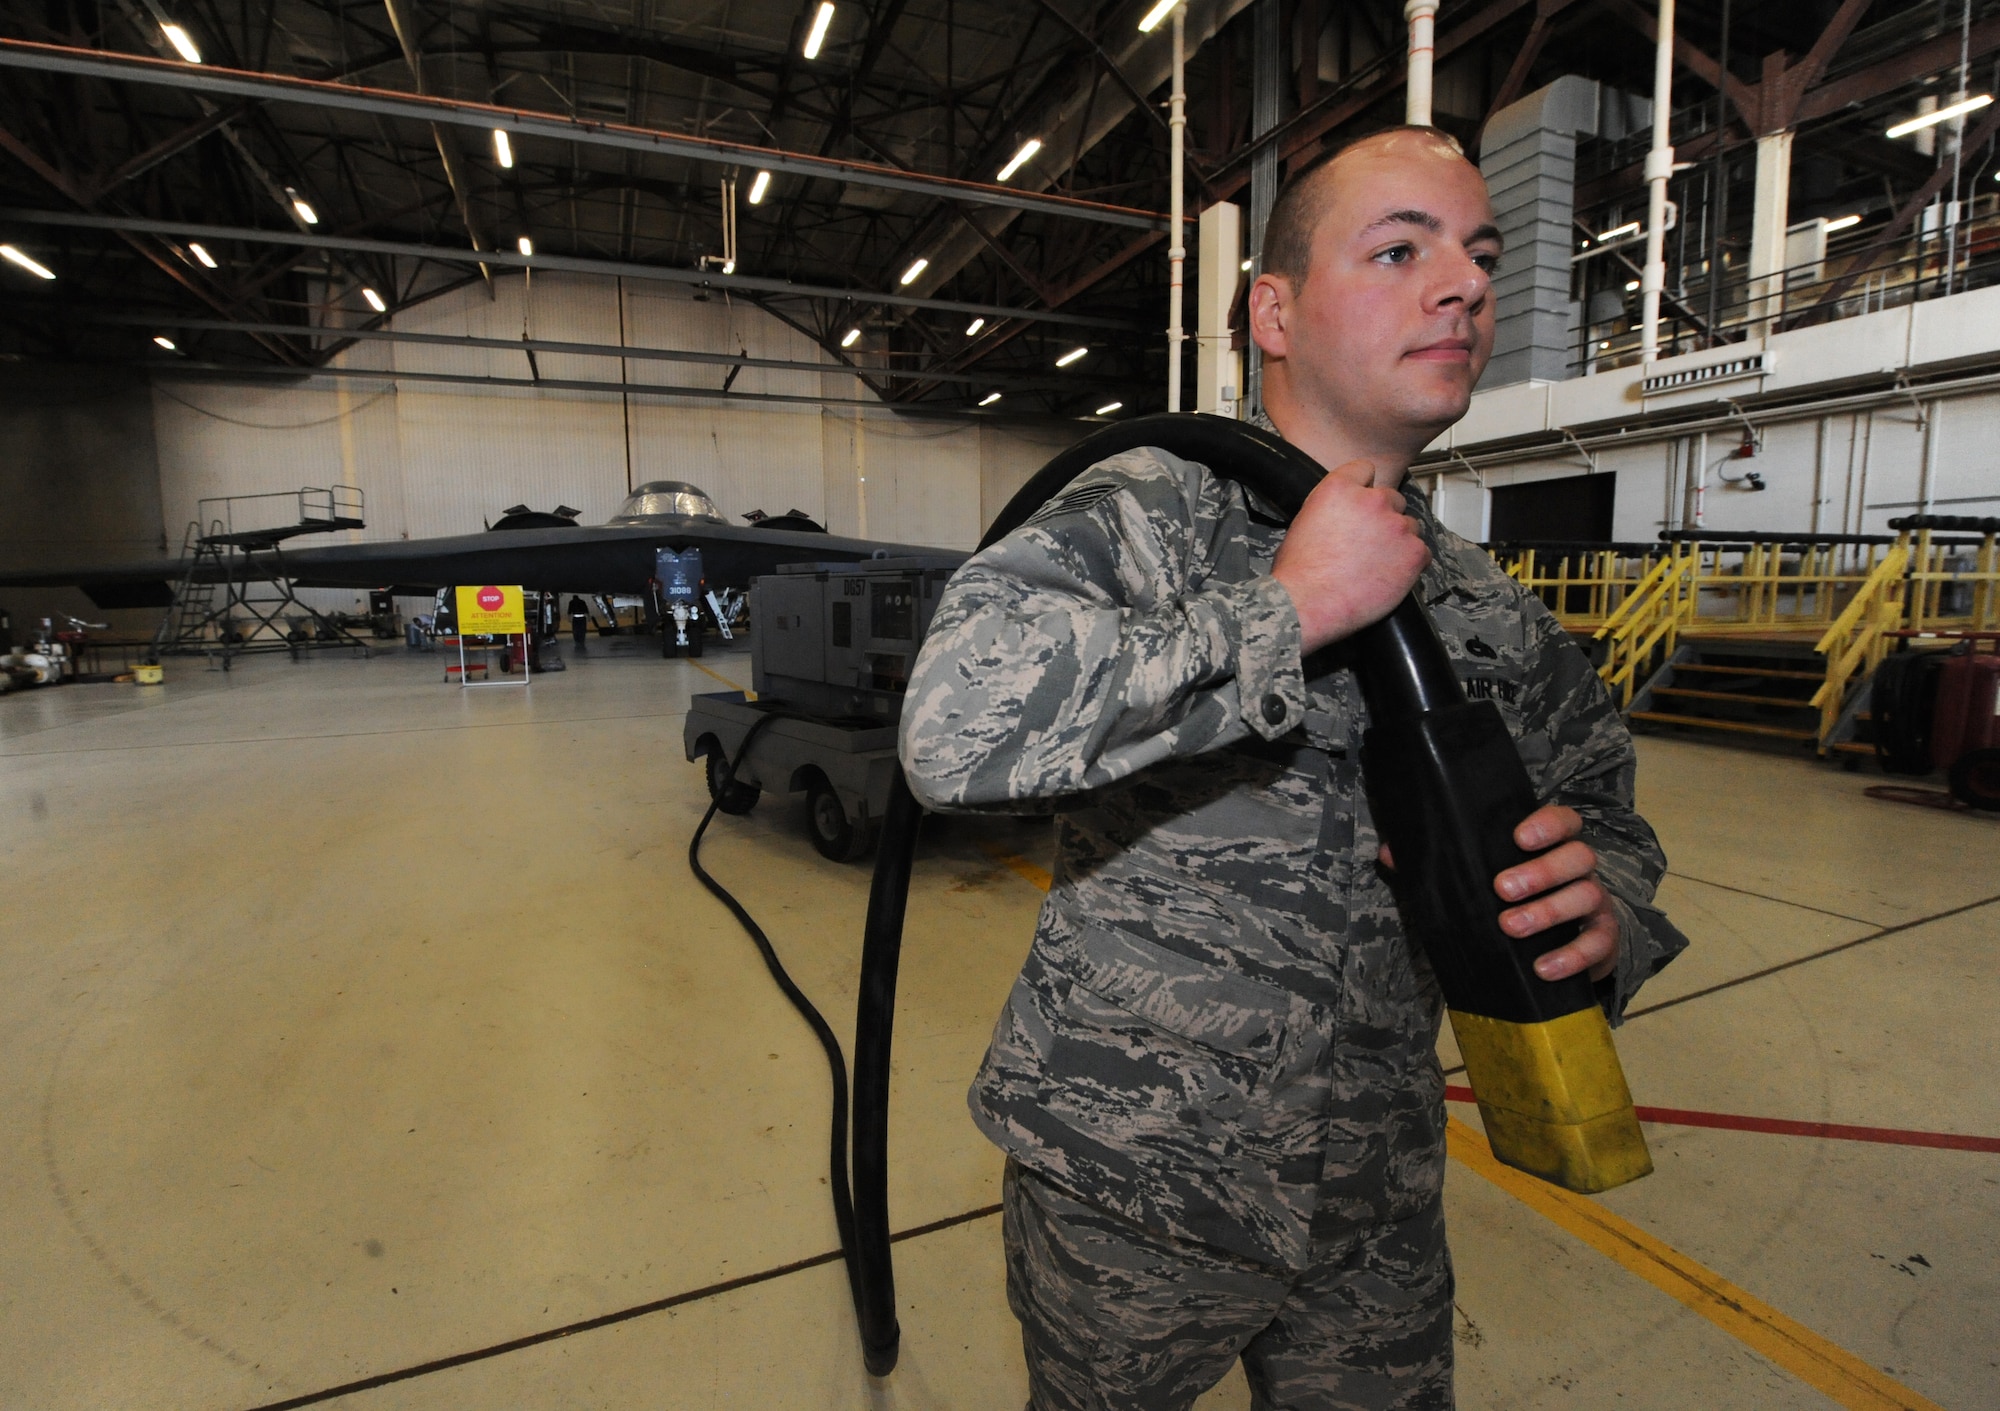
(1221, 1031)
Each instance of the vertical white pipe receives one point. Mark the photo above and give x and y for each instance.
(1659, 166)
(1770, 218)
(1177, 236)
(1422, 18)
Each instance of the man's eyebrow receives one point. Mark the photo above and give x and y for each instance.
(1406, 217)
(1427, 221)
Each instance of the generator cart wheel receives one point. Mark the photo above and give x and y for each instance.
(1975, 779)
(837, 839)
(729, 796)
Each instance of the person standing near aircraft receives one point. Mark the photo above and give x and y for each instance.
(579, 620)
(1216, 1079)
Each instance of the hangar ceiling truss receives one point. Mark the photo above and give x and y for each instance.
(321, 148)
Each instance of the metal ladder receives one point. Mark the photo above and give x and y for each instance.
(184, 628)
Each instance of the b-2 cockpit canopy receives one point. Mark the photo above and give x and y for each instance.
(675, 499)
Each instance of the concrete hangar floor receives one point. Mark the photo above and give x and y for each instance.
(358, 1028)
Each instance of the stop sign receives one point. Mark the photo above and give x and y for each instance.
(491, 598)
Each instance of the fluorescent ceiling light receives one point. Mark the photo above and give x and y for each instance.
(818, 35)
(1946, 114)
(1107, 409)
(502, 148)
(1842, 224)
(1630, 227)
(1028, 150)
(301, 207)
(1245, 266)
(164, 341)
(989, 399)
(1071, 356)
(759, 187)
(1156, 14)
(525, 245)
(853, 337)
(200, 252)
(975, 326)
(375, 301)
(182, 42)
(34, 267)
(917, 267)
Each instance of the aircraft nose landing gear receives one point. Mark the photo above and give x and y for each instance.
(681, 631)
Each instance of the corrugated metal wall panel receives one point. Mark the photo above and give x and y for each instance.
(923, 481)
(468, 456)
(1008, 454)
(747, 458)
(216, 440)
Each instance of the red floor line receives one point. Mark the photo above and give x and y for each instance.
(1785, 1127)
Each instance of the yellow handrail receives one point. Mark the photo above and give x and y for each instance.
(1639, 594)
(1648, 619)
(1858, 635)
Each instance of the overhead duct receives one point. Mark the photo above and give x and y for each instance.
(1528, 157)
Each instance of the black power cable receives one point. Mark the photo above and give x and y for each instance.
(836, 1061)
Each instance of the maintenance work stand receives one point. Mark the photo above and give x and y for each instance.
(233, 596)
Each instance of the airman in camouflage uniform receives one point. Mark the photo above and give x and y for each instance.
(1216, 1077)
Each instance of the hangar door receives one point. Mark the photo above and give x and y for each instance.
(1575, 509)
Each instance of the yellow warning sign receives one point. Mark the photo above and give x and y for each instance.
(491, 610)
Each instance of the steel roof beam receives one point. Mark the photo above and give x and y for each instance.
(565, 263)
(620, 352)
(523, 122)
(224, 372)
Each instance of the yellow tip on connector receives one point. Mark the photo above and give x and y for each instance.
(1554, 1099)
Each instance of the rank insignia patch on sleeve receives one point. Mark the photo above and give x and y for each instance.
(1073, 501)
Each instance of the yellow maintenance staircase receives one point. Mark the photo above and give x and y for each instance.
(1771, 635)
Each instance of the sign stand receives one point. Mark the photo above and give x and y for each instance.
(496, 611)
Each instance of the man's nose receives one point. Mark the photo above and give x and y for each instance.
(1463, 284)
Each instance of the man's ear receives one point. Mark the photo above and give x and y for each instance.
(1270, 313)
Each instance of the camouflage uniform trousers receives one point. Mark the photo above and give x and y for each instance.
(1117, 1318)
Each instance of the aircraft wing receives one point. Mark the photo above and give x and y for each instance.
(602, 559)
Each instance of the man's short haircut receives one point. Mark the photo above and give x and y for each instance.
(1288, 234)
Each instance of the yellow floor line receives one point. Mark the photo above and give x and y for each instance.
(1804, 1353)
(723, 679)
(1798, 1349)
(1020, 866)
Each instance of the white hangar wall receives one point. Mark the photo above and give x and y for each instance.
(438, 458)
(1838, 468)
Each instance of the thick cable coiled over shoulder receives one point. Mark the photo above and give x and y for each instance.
(1281, 476)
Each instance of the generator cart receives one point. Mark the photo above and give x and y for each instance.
(831, 646)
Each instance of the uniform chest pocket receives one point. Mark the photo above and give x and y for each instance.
(1196, 1001)
(1490, 653)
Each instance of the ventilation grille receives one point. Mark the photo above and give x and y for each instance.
(1750, 365)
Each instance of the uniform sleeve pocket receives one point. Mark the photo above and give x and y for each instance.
(1175, 992)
